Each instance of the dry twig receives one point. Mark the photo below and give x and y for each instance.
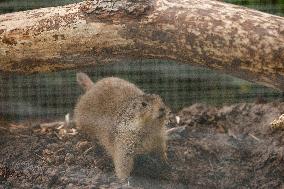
(254, 137)
(86, 151)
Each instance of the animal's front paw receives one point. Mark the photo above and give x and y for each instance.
(127, 182)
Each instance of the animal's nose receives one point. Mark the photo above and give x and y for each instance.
(161, 109)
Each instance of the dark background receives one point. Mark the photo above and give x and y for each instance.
(54, 94)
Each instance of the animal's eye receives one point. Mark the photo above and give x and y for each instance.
(144, 104)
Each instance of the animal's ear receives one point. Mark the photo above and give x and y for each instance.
(84, 81)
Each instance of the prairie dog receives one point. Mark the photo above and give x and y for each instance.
(125, 120)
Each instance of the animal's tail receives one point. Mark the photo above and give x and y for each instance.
(84, 81)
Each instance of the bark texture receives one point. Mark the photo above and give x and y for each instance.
(236, 40)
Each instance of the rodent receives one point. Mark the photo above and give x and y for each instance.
(126, 121)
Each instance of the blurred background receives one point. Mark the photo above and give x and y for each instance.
(270, 6)
(53, 95)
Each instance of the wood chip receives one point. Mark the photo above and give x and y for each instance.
(51, 125)
(278, 123)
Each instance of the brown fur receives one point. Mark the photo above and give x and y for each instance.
(125, 120)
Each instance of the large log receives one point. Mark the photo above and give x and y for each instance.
(229, 38)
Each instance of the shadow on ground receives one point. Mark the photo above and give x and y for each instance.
(228, 147)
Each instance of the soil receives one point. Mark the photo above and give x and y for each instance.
(226, 147)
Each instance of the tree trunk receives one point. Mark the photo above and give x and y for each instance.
(233, 39)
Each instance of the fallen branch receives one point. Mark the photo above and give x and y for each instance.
(236, 40)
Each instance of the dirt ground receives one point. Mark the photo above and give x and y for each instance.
(228, 147)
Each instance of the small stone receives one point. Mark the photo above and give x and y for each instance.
(69, 158)
(177, 133)
(70, 185)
